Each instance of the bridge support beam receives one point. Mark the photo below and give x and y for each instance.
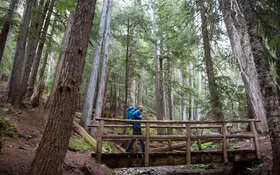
(118, 160)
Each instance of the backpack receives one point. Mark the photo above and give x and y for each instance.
(129, 112)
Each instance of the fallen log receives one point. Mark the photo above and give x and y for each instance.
(179, 146)
(78, 114)
(120, 148)
(86, 136)
(166, 148)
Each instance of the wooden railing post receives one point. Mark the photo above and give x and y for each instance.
(169, 132)
(188, 144)
(198, 140)
(147, 143)
(256, 144)
(224, 133)
(99, 140)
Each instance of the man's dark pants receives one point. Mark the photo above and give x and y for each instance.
(136, 131)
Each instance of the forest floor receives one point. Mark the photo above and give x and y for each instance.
(17, 154)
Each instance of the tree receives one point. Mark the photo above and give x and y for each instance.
(191, 109)
(216, 104)
(132, 19)
(52, 149)
(103, 77)
(15, 79)
(267, 84)
(47, 13)
(88, 104)
(259, 58)
(239, 38)
(158, 71)
(267, 12)
(6, 27)
(36, 94)
(170, 90)
(37, 23)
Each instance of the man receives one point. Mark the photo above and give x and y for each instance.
(136, 129)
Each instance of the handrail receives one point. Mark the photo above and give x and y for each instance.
(148, 124)
(178, 121)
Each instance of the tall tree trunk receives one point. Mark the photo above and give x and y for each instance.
(19, 54)
(126, 69)
(265, 77)
(53, 145)
(90, 95)
(278, 69)
(101, 88)
(161, 88)
(169, 90)
(37, 57)
(115, 96)
(130, 78)
(140, 91)
(184, 97)
(60, 59)
(191, 110)
(31, 53)
(6, 27)
(199, 90)
(105, 92)
(216, 105)
(158, 73)
(240, 42)
(45, 59)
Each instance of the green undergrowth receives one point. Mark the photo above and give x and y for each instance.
(256, 167)
(205, 146)
(79, 144)
(206, 166)
(203, 166)
(7, 128)
(110, 147)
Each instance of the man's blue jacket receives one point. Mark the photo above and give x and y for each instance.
(137, 116)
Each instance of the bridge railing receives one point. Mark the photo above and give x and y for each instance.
(222, 126)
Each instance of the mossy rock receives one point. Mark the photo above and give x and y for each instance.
(7, 129)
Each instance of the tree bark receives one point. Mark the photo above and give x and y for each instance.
(169, 90)
(191, 110)
(140, 91)
(46, 13)
(105, 92)
(265, 77)
(88, 104)
(19, 54)
(216, 105)
(199, 90)
(101, 88)
(6, 27)
(240, 42)
(184, 97)
(126, 70)
(53, 145)
(158, 73)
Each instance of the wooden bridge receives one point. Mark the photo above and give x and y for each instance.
(187, 133)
